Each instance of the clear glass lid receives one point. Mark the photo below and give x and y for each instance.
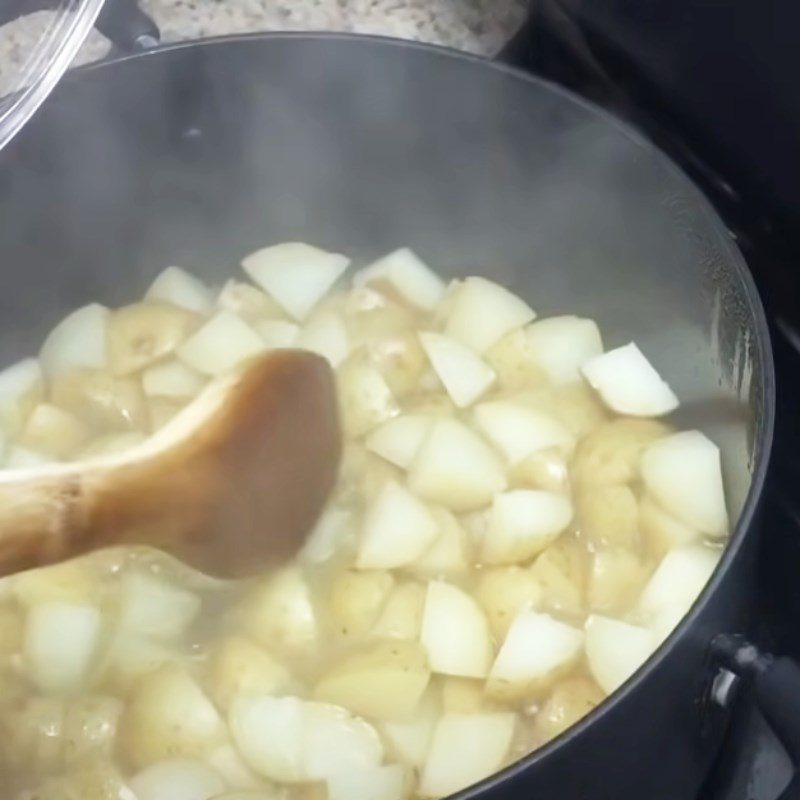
(34, 56)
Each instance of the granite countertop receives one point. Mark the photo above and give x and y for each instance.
(479, 26)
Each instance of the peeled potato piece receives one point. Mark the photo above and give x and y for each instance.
(407, 275)
(456, 468)
(384, 681)
(169, 715)
(142, 333)
(270, 432)
(369, 783)
(79, 340)
(609, 515)
(615, 650)
(465, 375)
(177, 779)
(175, 285)
(53, 431)
(617, 576)
(153, 607)
(297, 275)
(514, 361)
(450, 554)
(172, 379)
(401, 617)
(277, 333)
(683, 473)
(364, 397)
(562, 345)
(326, 335)
(21, 389)
(517, 430)
(536, 650)
(562, 571)
(398, 528)
(399, 439)
(455, 633)
(523, 522)
(357, 599)
(221, 344)
(249, 303)
(629, 384)
(662, 530)
(409, 741)
(466, 748)
(481, 312)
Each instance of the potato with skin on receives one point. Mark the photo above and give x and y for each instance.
(466, 696)
(400, 359)
(365, 399)
(514, 362)
(610, 454)
(357, 598)
(661, 530)
(504, 592)
(384, 681)
(169, 715)
(569, 701)
(608, 515)
(562, 572)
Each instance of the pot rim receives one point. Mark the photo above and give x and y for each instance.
(763, 397)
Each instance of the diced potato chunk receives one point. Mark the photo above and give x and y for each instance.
(678, 580)
(172, 379)
(143, 333)
(481, 312)
(514, 362)
(455, 633)
(357, 599)
(661, 530)
(371, 783)
(326, 335)
(175, 285)
(398, 528)
(456, 468)
(524, 522)
(385, 681)
(562, 571)
(169, 715)
(101, 400)
(402, 615)
(33, 735)
(154, 607)
(466, 748)
(297, 275)
(53, 431)
(177, 779)
(409, 741)
(248, 302)
(79, 340)
(279, 613)
(407, 275)
(61, 643)
(365, 398)
(399, 439)
(220, 345)
(277, 333)
(683, 473)
(504, 592)
(615, 650)
(399, 357)
(465, 375)
(451, 552)
(517, 430)
(570, 701)
(562, 345)
(629, 384)
(537, 650)
(616, 578)
(545, 469)
(610, 454)
(466, 696)
(609, 515)
(237, 667)
(21, 390)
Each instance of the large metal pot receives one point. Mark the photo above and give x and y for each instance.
(198, 153)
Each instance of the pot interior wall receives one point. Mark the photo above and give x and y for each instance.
(196, 155)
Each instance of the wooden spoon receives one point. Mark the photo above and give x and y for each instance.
(231, 484)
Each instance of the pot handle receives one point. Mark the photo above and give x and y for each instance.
(776, 687)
